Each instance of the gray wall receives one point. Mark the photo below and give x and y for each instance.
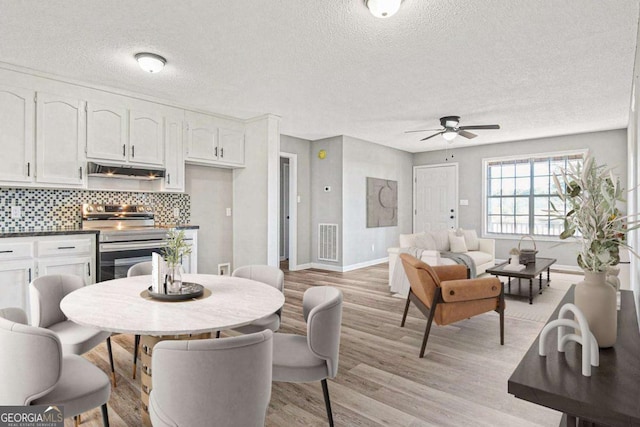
(302, 148)
(364, 159)
(326, 207)
(211, 193)
(609, 147)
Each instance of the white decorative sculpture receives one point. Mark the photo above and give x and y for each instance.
(590, 352)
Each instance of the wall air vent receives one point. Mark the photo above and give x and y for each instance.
(328, 242)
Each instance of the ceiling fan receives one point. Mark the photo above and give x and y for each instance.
(451, 129)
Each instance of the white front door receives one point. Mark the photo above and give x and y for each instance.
(435, 193)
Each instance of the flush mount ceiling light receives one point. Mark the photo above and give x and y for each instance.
(150, 62)
(383, 8)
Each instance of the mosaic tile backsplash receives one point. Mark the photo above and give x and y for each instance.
(48, 208)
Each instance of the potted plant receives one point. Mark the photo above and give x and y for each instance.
(175, 249)
(592, 193)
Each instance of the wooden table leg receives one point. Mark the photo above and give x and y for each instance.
(147, 342)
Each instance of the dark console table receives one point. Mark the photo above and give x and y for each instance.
(610, 397)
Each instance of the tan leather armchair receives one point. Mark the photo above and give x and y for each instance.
(445, 294)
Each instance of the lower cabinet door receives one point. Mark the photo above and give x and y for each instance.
(15, 277)
(77, 266)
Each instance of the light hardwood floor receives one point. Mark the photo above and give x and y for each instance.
(461, 381)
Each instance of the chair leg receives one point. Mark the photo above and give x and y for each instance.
(406, 310)
(136, 346)
(76, 421)
(327, 402)
(113, 369)
(426, 332)
(105, 415)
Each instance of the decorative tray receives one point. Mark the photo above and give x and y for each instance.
(187, 291)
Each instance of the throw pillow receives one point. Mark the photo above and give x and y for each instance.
(470, 239)
(424, 240)
(457, 244)
(407, 240)
(441, 237)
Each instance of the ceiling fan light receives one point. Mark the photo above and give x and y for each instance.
(449, 135)
(383, 8)
(150, 62)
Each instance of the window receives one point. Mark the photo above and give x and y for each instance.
(519, 193)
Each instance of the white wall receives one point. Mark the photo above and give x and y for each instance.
(363, 159)
(211, 193)
(633, 157)
(609, 147)
(302, 148)
(255, 195)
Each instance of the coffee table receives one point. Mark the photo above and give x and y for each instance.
(529, 272)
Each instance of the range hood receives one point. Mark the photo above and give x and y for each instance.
(127, 172)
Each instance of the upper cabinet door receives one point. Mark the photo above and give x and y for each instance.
(106, 132)
(60, 139)
(202, 138)
(17, 113)
(174, 155)
(146, 138)
(231, 146)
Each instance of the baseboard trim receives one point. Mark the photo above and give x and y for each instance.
(301, 267)
(340, 269)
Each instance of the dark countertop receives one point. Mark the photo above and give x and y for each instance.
(43, 231)
(60, 231)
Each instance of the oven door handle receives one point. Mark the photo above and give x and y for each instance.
(129, 246)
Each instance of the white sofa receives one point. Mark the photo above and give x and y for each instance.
(431, 243)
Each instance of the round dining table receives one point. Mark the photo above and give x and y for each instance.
(119, 306)
(125, 306)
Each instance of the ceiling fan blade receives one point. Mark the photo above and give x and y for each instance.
(429, 137)
(479, 127)
(466, 134)
(423, 130)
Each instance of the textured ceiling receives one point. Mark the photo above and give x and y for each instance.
(537, 67)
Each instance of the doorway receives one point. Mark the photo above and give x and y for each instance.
(435, 193)
(288, 207)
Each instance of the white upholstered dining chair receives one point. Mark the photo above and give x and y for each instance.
(213, 382)
(272, 276)
(140, 269)
(300, 359)
(35, 371)
(45, 295)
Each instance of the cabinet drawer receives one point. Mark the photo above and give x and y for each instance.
(16, 250)
(64, 247)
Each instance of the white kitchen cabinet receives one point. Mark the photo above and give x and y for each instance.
(107, 136)
(202, 138)
(231, 146)
(15, 277)
(116, 134)
(77, 266)
(174, 154)
(146, 138)
(60, 140)
(22, 259)
(210, 144)
(17, 121)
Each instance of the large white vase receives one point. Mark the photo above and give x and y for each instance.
(597, 300)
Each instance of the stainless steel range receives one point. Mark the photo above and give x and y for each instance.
(128, 235)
